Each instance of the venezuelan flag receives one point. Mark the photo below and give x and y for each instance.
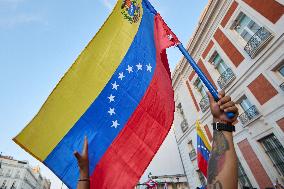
(118, 93)
(203, 150)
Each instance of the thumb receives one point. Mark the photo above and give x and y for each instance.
(211, 99)
(77, 156)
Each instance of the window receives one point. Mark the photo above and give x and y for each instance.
(275, 151)
(199, 85)
(243, 178)
(281, 73)
(255, 36)
(8, 173)
(201, 178)
(192, 153)
(17, 174)
(184, 124)
(226, 73)
(219, 63)
(204, 102)
(250, 111)
(245, 27)
(281, 70)
(245, 103)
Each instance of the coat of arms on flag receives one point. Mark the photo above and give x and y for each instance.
(131, 10)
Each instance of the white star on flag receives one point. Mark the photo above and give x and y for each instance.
(111, 111)
(114, 85)
(129, 69)
(139, 66)
(115, 124)
(149, 68)
(111, 98)
(121, 76)
(170, 37)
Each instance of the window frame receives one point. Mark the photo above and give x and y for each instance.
(280, 171)
(198, 83)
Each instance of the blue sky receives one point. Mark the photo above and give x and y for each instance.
(39, 40)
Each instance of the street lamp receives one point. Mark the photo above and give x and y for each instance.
(149, 175)
(1, 161)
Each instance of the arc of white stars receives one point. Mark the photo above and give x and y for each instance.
(115, 124)
(129, 69)
(114, 85)
(121, 76)
(139, 66)
(149, 68)
(111, 98)
(111, 111)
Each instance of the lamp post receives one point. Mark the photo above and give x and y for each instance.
(149, 175)
(1, 161)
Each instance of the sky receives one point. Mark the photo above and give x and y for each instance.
(39, 40)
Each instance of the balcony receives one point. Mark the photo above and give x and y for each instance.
(249, 115)
(282, 86)
(258, 41)
(204, 103)
(192, 155)
(226, 78)
(184, 125)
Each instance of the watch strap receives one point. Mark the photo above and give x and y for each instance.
(223, 127)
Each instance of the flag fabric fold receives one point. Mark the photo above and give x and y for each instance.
(118, 93)
(203, 150)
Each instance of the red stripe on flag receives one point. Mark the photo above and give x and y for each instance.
(202, 164)
(133, 149)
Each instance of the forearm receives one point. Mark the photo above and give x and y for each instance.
(222, 168)
(84, 182)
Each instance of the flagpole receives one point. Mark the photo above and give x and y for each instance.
(202, 76)
(193, 64)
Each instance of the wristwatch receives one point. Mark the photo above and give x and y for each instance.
(223, 127)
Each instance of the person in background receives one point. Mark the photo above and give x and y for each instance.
(222, 167)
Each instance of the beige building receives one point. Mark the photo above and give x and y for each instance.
(177, 181)
(239, 45)
(15, 174)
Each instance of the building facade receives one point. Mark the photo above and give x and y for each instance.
(177, 181)
(15, 174)
(239, 45)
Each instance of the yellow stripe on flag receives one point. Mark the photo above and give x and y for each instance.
(80, 86)
(202, 136)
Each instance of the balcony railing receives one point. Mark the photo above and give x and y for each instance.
(248, 115)
(257, 41)
(204, 103)
(184, 125)
(192, 155)
(282, 86)
(226, 78)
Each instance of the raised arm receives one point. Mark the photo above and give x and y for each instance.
(83, 163)
(222, 167)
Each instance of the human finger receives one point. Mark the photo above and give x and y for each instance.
(77, 155)
(221, 94)
(227, 105)
(85, 148)
(232, 109)
(211, 99)
(224, 100)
